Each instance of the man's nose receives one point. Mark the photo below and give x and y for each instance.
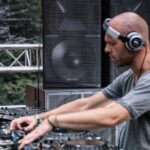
(107, 49)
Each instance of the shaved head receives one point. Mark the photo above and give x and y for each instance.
(131, 22)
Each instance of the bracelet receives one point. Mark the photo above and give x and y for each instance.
(51, 123)
(39, 121)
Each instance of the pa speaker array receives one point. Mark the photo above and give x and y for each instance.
(71, 43)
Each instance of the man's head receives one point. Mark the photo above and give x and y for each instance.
(134, 41)
(125, 35)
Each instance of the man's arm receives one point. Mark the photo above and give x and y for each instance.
(97, 100)
(94, 101)
(111, 115)
(100, 118)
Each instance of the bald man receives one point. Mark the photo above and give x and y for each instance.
(126, 100)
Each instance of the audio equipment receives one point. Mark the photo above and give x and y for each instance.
(60, 139)
(140, 7)
(134, 41)
(52, 98)
(71, 43)
(9, 139)
(95, 143)
(64, 139)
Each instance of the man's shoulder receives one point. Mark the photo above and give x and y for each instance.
(145, 77)
(127, 73)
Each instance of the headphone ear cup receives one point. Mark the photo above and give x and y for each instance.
(134, 42)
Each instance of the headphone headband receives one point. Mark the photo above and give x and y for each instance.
(133, 41)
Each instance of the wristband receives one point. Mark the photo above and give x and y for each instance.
(51, 123)
(39, 121)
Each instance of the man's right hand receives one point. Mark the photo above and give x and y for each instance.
(27, 123)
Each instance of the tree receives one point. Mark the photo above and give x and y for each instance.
(23, 19)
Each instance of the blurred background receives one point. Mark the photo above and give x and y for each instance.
(20, 23)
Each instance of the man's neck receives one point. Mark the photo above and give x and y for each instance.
(141, 63)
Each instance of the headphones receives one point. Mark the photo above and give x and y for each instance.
(133, 41)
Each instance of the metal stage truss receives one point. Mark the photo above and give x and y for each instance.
(21, 58)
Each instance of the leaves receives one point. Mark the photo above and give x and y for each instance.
(23, 17)
(13, 87)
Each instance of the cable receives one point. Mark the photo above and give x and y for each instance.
(140, 72)
(37, 92)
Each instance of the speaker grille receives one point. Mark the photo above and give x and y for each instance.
(71, 42)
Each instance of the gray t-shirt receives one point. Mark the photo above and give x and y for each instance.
(135, 133)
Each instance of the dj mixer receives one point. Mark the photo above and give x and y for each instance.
(59, 139)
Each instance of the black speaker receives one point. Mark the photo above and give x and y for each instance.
(71, 43)
(139, 6)
(116, 7)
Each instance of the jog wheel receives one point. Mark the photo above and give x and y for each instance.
(89, 144)
(65, 135)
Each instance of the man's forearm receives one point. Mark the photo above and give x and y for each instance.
(73, 106)
(97, 100)
(92, 118)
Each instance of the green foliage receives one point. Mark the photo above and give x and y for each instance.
(25, 20)
(25, 24)
(13, 87)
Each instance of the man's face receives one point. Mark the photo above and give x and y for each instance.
(117, 52)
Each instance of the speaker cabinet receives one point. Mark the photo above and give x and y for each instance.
(116, 7)
(71, 43)
(52, 98)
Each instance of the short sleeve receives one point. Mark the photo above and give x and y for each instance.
(137, 101)
(120, 86)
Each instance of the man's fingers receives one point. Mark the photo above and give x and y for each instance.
(21, 146)
(26, 141)
(29, 128)
(19, 126)
(15, 125)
